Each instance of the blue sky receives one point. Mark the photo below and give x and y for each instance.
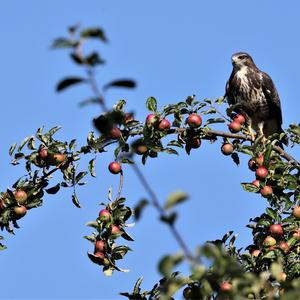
(173, 49)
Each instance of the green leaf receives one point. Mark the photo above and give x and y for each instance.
(63, 43)
(168, 262)
(53, 190)
(119, 252)
(12, 149)
(92, 167)
(94, 59)
(169, 219)
(213, 121)
(249, 187)
(175, 198)
(23, 143)
(94, 33)
(272, 213)
(151, 104)
(126, 83)
(235, 158)
(139, 208)
(137, 289)
(79, 176)
(72, 145)
(75, 200)
(68, 82)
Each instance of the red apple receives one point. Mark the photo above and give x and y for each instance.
(20, 211)
(267, 191)
(151, 120)
(260, 160)
(282, 276)
(227, 148)
(296, 235)
(141, 149)
(225, 286)
(115, 133)
(194, 120)
(269, 241)
(239, 118)
(104, 215)
(43, 153)
(256, 182)
(261, 173)
(276, 230)
(59, 157)
(255, 252)
(194, 142)
(20, 196)
(114, 229)
(284, 247)
(234, 126)
(164, 125)
(296, 212)
(99, 246)
(114, 167)
(252, 164)
(99, 254)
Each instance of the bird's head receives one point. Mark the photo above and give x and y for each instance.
(242, 59)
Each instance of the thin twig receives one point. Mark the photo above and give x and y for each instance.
(161, 211)
(120, 185)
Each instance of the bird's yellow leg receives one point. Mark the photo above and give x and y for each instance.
(261, 133)
(252, 133)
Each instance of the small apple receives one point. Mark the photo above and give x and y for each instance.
(194, 120)
(194, 142)
(114, 229)
(296, 234)
(115, 133)
(269, 241)
(114, 167)
(151, 120)
(296, 212)
(99, 246)
(261, 173)
(260, 160)
(43, 153)
(239, 118)
(276, 230)
(99, 254)
(234, 126)
(225, 286)
(282, 276)
(284, 247)
(164, 125)
(256, 182)
(104, 215)
(141, 149)
(59, 157)
(267, 191)
(255, 252)
(252, 165)
(20, 196)
(20, 211)
(227, 148)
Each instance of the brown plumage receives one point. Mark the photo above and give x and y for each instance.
(255, 96)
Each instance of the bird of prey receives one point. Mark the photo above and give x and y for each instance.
(254, 95)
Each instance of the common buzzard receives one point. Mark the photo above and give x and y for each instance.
(254, 95)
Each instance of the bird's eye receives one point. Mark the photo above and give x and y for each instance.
(243, 56)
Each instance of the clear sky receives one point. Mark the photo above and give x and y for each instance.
(173, 49)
